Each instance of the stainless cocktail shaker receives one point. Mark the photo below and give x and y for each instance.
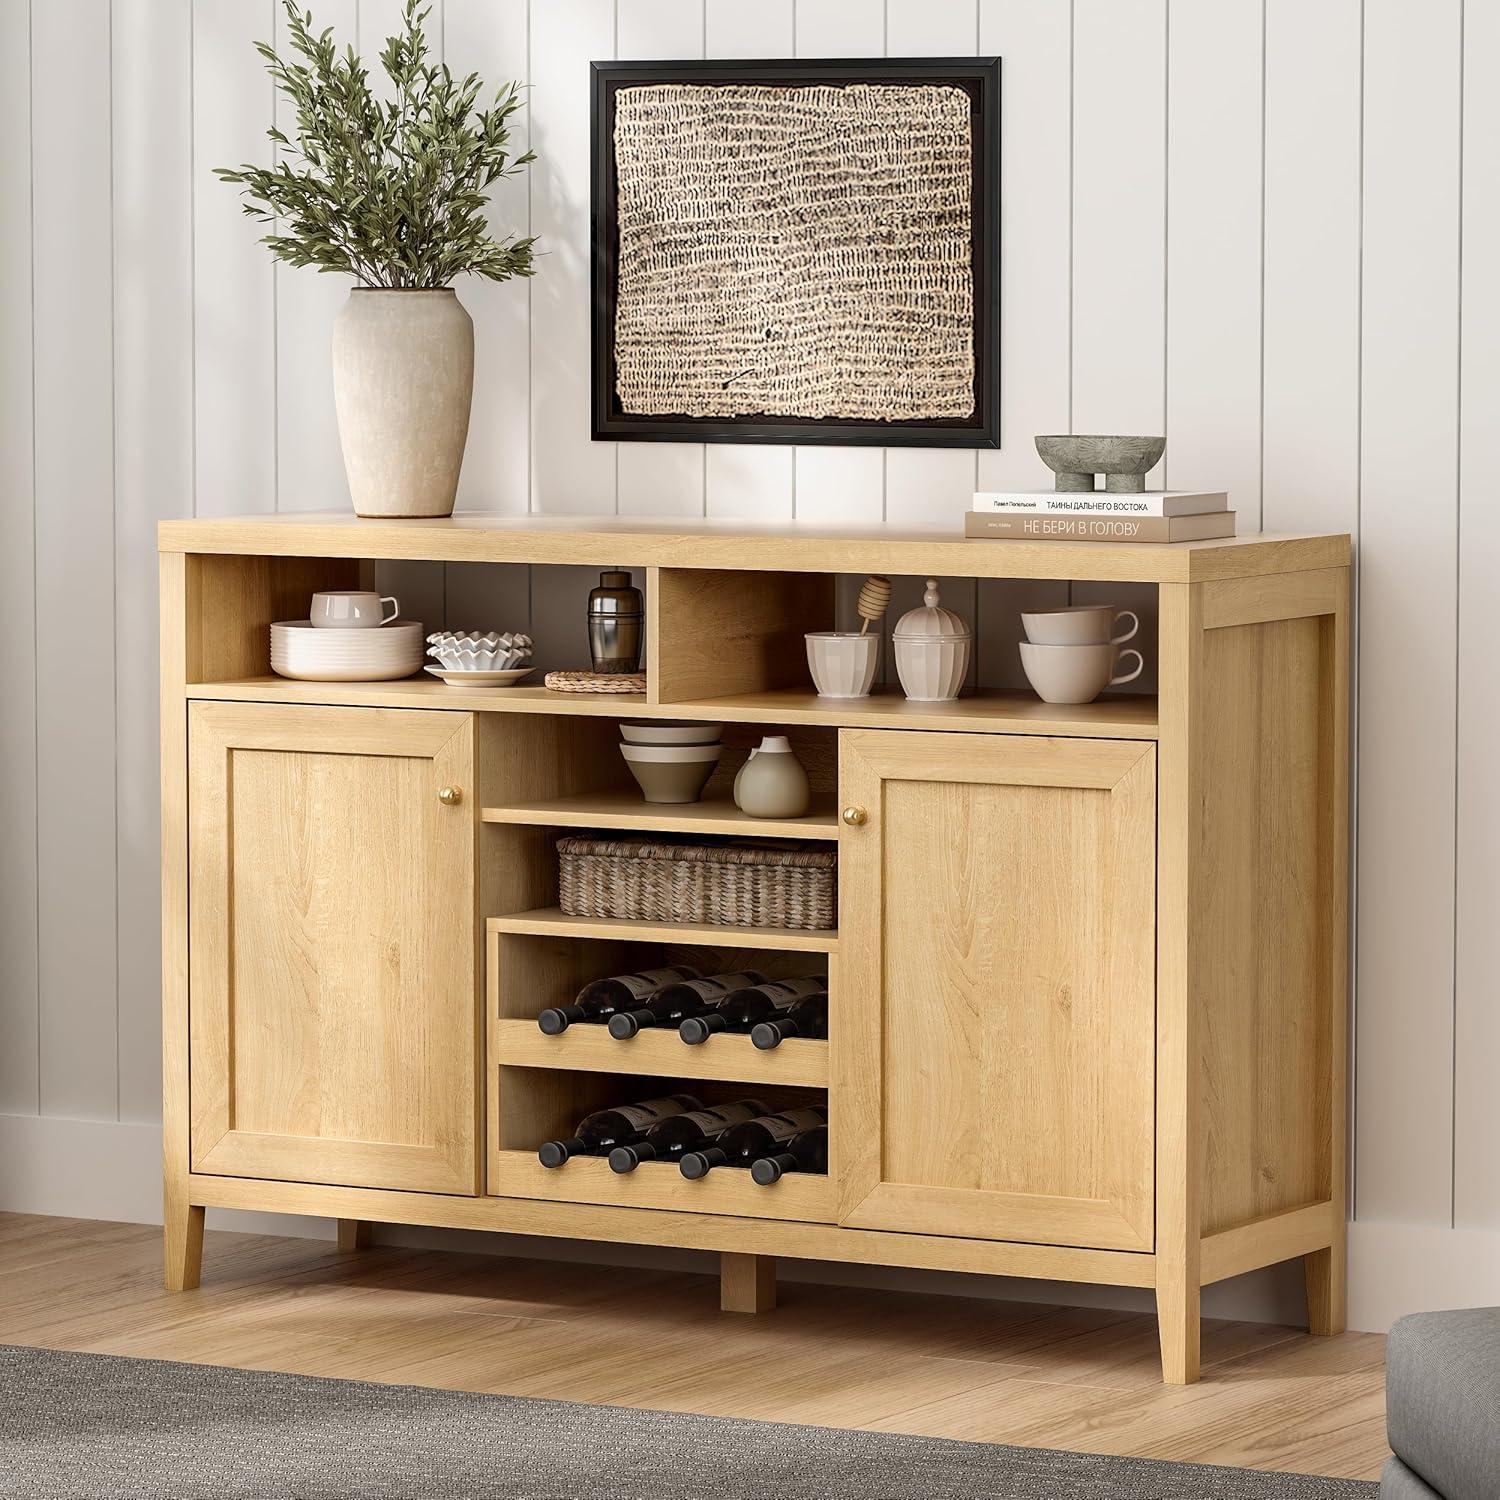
(616, 622)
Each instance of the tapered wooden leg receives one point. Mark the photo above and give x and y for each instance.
(1327, 1274)
(747, 1283)
(182, 1240)
(1178, 1324)
(354, 1234)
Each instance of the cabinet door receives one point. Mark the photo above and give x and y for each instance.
(332, 987)
(994, 1044)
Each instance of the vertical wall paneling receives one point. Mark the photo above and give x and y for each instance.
(1119, 202)
(840, 484)
(1214, 78)
(482, 37)
(660, 479)
(568, 472)
(1476, 1052)
(151, 95)
(1310, 438)
(1408, 634)
(930, 484)
(1034, 41)
(75, 561)
(752, 481)
(234, 322)
(18, 897)
(1120, 312)
(309, 462)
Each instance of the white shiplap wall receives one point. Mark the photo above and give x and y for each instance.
(1263, 226)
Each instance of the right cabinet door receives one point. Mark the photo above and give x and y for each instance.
(994, 1044)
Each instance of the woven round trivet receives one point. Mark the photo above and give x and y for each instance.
(595, 682)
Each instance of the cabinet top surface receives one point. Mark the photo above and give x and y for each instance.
(678, 542)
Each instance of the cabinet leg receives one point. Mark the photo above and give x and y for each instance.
(747, 1283)
(1178, 1325)
(1326, 1272)
(354, 1234)
(182, 1241)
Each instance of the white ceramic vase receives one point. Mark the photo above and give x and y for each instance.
(772, 783)
(403, 381)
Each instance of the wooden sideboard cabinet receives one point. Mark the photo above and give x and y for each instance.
(1087, 986)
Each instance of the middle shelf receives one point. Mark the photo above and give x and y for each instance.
(659, 1054)
(626, 809)
(552, 921)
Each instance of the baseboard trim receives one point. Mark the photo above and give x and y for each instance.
(106, 1169)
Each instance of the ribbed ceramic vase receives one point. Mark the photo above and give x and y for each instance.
(403, 381)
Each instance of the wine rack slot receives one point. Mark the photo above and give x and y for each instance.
(518, 1174)
(661, 1054)
(539, 1104)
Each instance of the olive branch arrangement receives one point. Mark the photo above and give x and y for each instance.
(391, 192)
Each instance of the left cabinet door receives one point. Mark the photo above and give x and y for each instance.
(333, 989)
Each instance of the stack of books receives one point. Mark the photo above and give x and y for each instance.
(1101, 516)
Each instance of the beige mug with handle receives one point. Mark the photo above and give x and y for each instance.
(352, 609)
(1077, 674)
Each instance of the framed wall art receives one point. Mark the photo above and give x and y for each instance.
(797, 251)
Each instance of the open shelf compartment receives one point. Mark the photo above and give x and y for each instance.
(541, 1104)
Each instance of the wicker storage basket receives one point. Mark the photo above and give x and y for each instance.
(768, 883)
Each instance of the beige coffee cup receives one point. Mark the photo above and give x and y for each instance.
(1079, 625)
(1076, 674)
(352, 609)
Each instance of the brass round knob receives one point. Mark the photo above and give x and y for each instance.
(855, 817)
(451, 796)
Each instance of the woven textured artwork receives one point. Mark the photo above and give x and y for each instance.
(794, 251)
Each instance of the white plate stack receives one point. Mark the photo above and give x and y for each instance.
(303, 651)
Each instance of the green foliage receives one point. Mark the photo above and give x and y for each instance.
(391, 192)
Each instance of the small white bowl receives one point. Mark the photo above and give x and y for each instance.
(668, 733)
(671, 754)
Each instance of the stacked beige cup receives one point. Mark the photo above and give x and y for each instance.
(1071, 655)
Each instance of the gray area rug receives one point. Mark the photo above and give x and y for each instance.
(93, 1427)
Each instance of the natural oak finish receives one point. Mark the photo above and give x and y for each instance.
(551, 921)
(731, 632)
(333, 1014)
(605, 541)
(995, 1068)
(661, 1053)
(900, 1360)
(354, 1234)
(626, 810)
(747, 1283)
(1088, 991)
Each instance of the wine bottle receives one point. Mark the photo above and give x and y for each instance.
(672, 1002)
(754, 1139)
(741, 1010)
(599, 1000)
(597, 1134)
(808, 1017)
(807, 1151)
(668, 1140)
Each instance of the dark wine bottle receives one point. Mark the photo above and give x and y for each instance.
(808, 1017)
(741, 1010)
(599, 1133)
(672, 1002)
(752, 1140)
(668, 1140)
(599, 1000)
(807, 1151)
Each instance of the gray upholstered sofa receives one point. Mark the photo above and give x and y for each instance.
(1442, 1388)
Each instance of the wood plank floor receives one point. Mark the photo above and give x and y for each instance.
(1085, 1380)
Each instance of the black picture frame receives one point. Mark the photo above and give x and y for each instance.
(979, 77)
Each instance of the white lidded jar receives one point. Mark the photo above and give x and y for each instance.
(932, 650)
